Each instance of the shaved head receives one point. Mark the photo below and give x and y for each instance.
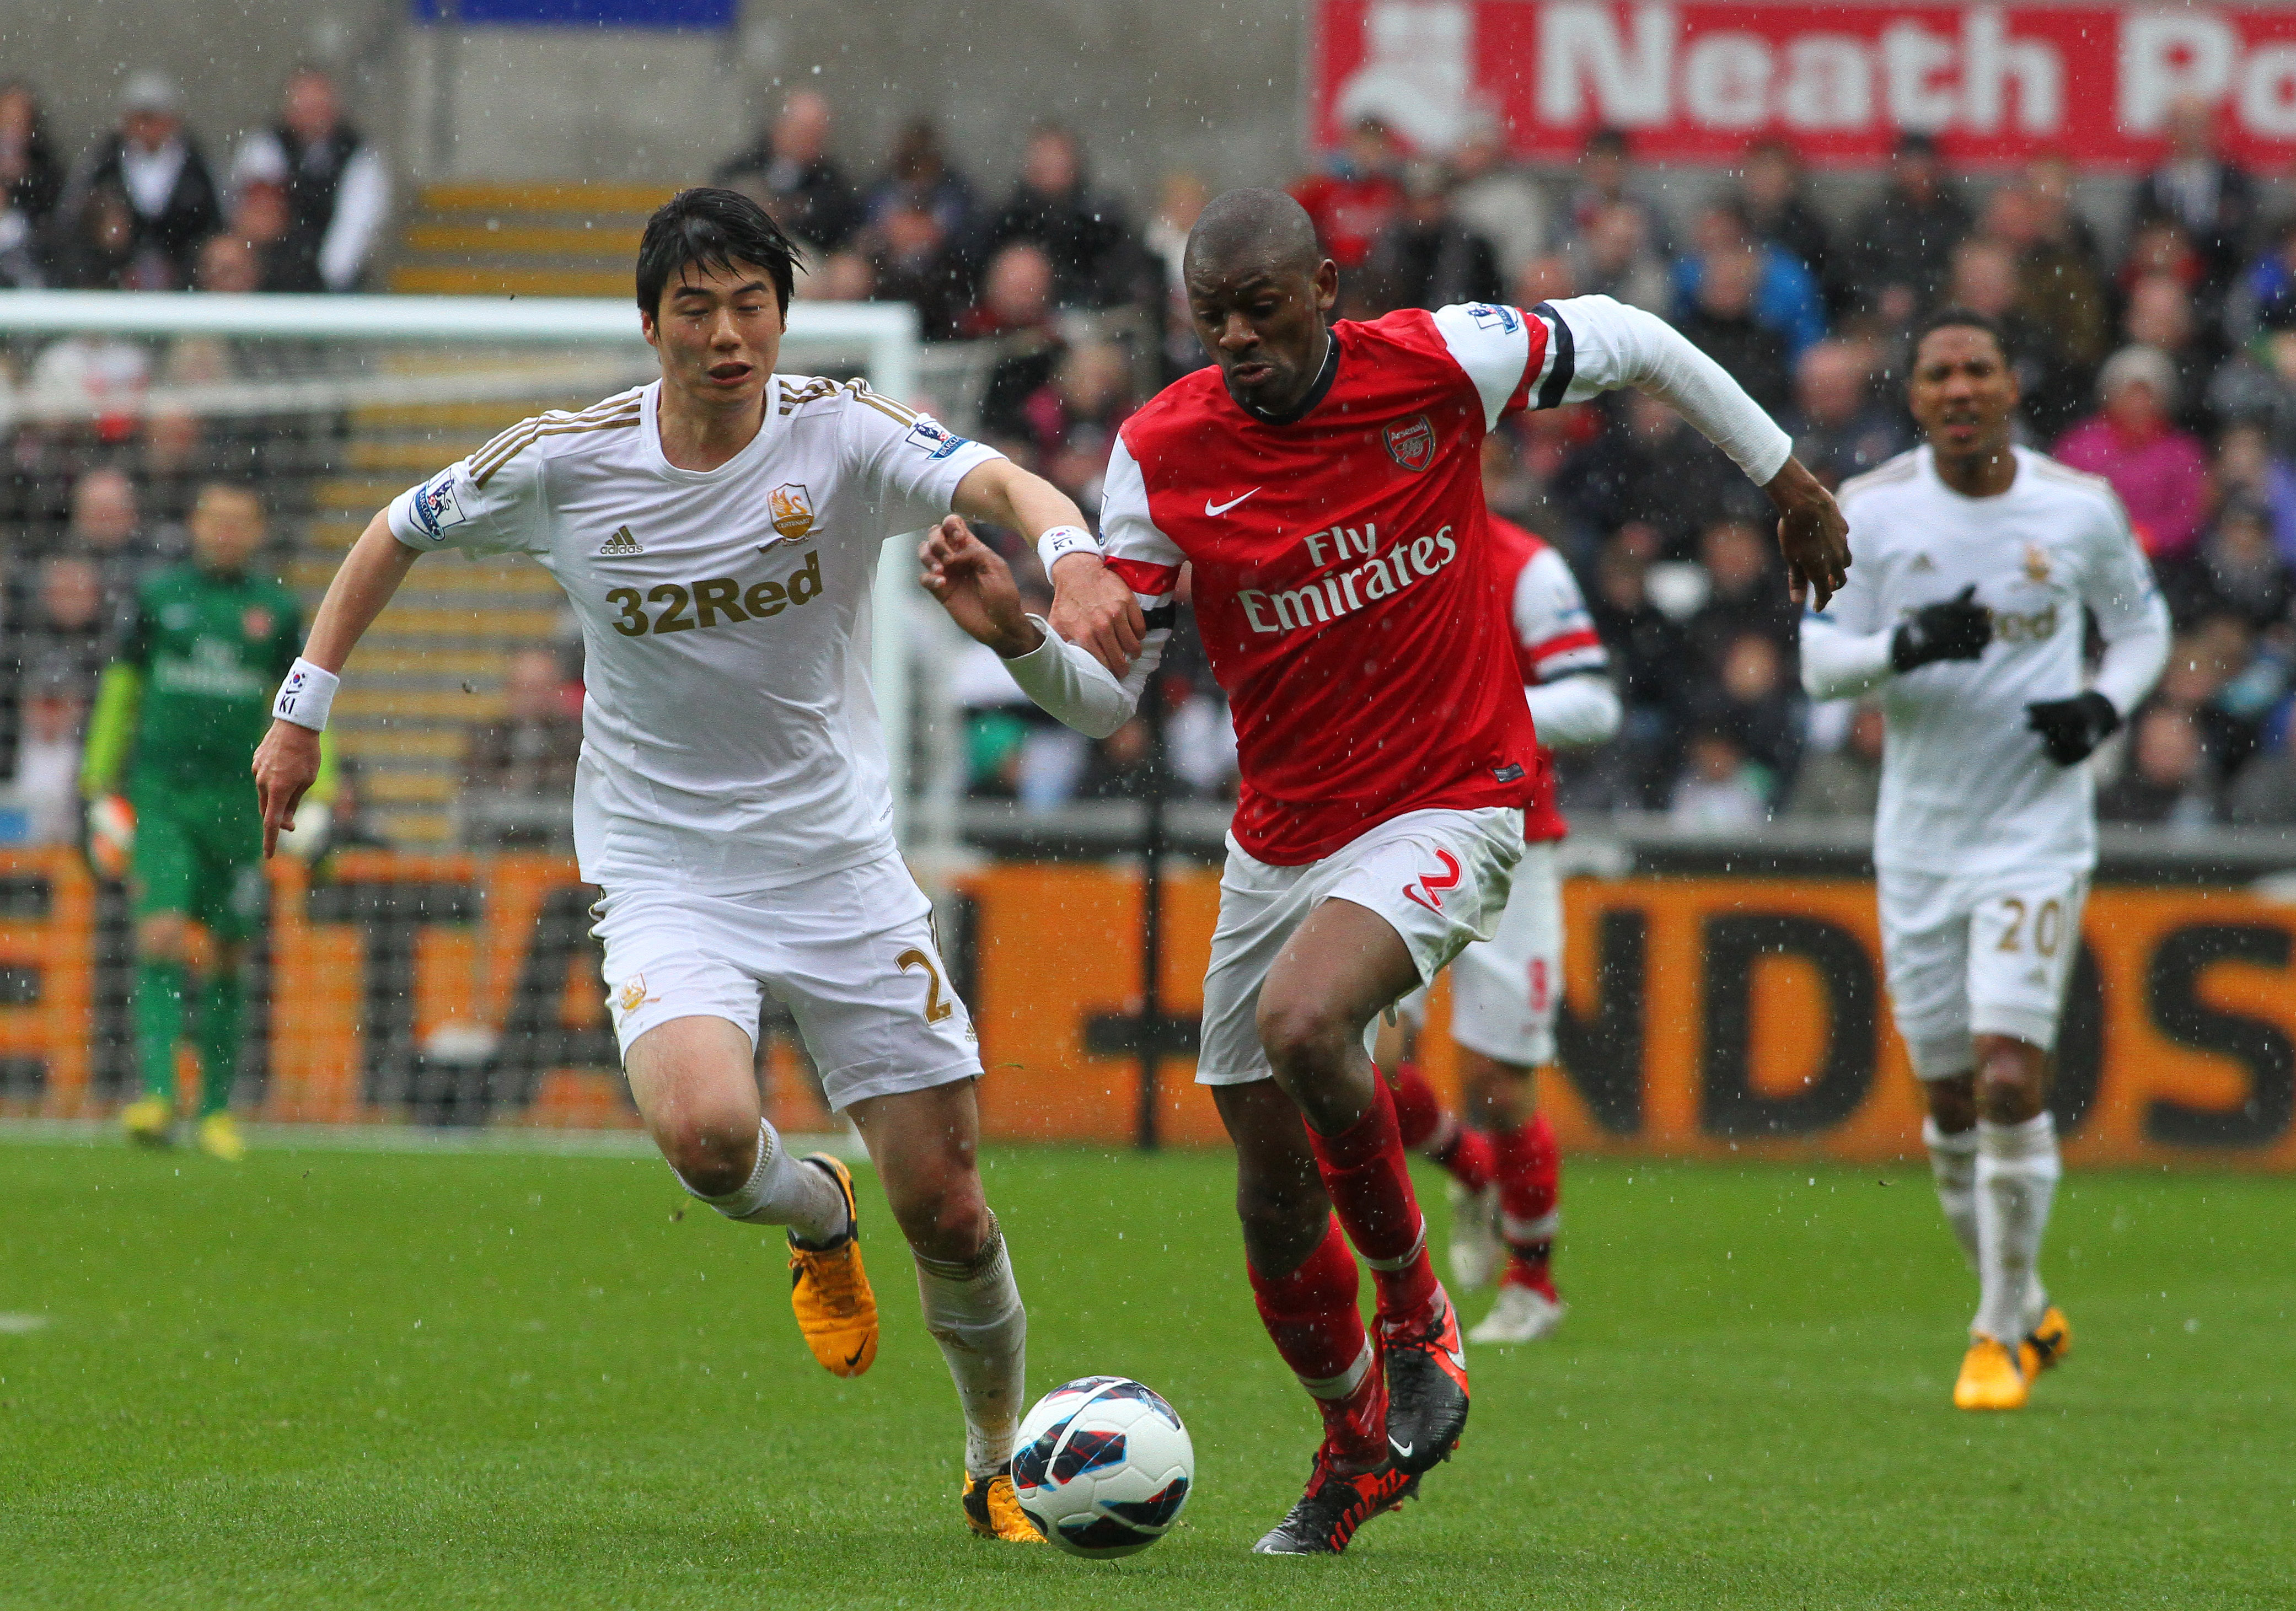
(1264, 230)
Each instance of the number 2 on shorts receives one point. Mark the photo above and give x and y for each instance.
(936, 1009)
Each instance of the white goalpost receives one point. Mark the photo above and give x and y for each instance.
(317, 357)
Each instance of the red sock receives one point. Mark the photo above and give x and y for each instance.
(1420, 1119)
(1418, 1110)
(1364, 1170)
(1312, 1317)
(1530, 1189)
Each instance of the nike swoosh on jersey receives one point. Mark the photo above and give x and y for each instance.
(1211, 508)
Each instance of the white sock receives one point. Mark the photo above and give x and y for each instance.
(2017, 1171)
(1953, 1166)
(974, 1311)
(781, 1191)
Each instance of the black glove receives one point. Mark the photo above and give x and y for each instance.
(1951, 629)
(2070, 729)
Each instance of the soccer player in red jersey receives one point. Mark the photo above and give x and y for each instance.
(1506, 1171)
(1322, 482)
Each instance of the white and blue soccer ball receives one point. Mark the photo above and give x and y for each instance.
(1103, 1467)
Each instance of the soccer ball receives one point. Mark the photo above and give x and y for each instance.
(1103, 1467)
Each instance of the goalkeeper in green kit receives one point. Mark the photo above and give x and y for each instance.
(184, 703)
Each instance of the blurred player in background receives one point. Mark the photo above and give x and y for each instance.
(718, 533)
(1978, 565)
(1324, 483)
(1506, 1171)
(178, 709)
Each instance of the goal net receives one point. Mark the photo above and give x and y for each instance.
(433, 962)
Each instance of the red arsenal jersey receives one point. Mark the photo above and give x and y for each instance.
(1342, 571)
(1553, 637)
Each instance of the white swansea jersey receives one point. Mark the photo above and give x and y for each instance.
(1966, 786)
(730, 742)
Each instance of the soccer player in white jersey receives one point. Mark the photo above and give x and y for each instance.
(1976, 563)
(717, 532)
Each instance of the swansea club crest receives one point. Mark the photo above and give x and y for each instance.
(1411, 443)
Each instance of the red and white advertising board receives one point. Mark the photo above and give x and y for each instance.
(1696, 82)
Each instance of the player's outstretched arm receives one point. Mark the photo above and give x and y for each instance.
(287, 761)
(976, 587)
(1091, 606)
(1613, 346)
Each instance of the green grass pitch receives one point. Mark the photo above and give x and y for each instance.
(445, 1380)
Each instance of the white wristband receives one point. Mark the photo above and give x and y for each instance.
(1062, 541)
(307, 695)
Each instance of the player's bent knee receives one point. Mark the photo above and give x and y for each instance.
(1303, 1036)
(164, 936)
(711, 1157)
(953, 1224)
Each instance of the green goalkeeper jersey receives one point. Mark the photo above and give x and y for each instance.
(209, 650)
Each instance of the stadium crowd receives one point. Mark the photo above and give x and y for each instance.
(2160, 356)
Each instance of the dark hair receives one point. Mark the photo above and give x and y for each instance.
(712, 228)
(238, 486)
(1959, 318)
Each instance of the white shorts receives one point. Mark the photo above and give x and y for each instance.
(850, 953)
(1504, 991)
(1978, 954)
(1439, 878)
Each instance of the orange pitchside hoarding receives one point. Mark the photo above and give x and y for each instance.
(1705, 1016)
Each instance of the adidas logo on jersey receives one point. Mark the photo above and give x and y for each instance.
(621, 546)
(1921, 562)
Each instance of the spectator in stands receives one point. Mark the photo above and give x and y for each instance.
(1086, 234)
(1743, 594)
(2236, 571)
(1497, 199)
(95, 240)
(1427, 257)
(1755, 696)
(1179, 202)
(915, 260)
(2054, 183)
(1016, 305)
(1720, 788)
(529, 752)
(1354, 192)
(1655, 668)
(2249, 468)
(228, 263)
(176, 458)
(1774, 202)
(1984, 280)
(335, 184)
(2211, 197)
(1612, 255)
(32, 183)
(2161, 473)
(2159, 315)
(51, 727)
(1843, 780)
(154, 161)
(1072, 419)
(2167, 782)
(2264, 297)
(840, 276)
(1785, 298)
(918, 178)
(2060, 288)
(1902, 244)
(1724, 323)
(106, 528)
(68, 635)
(1606, 179)
(790, 173)
(1648, 466)
(1840, 427)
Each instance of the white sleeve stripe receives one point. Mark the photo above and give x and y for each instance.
(1491, 343)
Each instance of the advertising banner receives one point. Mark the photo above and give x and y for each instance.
(1701, 1017)
(1696, 82)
